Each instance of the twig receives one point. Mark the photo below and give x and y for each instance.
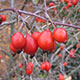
(74, 70)
(33, 14)
(7, 23)
(24, 5)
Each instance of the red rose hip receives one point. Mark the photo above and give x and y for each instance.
(61, 77)
(35, 35)
(60, 35)
(29, 63)
(43, 66)
(30, 45)
(48, 66)
(29, 69)
(69, 4)
(18, 40)
(3, 17)
(74, 2)
(45, 40)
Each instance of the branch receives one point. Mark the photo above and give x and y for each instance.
(74, 70)
(8, 9)
(6, 23)
(34, 14)
(24, 5)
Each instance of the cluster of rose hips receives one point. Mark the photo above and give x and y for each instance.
(2, 18)
(45, 66)
(46, 40)
(29, 67)
(70, 3)
(19, 43)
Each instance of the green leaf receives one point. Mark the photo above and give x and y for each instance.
(69, 42)
(35, 1)
(42, 75)
(58, 45)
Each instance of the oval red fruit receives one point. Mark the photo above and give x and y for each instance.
(74, 2)
(61, 77)
(69, 4)
(3, 17)
(77, 45)
(43, 66)
(29, 63)
(45, 40)
(51, 4)
(31, 45)
(35, 35)
(72, 52)
(40, 20)
(48, 66)
(29, 70)
(37, 19)
(59, 55)
(61, 47)
(20, 65)
(60, 35)
(65, 64)
(18, 40)
(54, 8)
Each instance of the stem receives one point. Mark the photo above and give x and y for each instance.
(12, 31)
